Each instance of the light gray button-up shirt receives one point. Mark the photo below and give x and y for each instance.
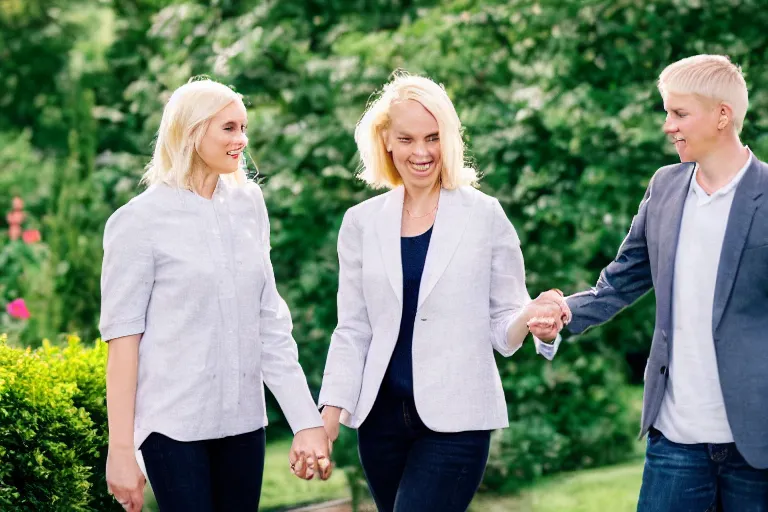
(195, 277)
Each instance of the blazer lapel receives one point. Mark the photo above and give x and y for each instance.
(450, 222)
(739, 221)
(669, 234)
(388, 233)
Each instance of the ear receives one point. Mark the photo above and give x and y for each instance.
(725, 116)
(385, 140)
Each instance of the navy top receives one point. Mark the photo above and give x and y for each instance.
(398, 380)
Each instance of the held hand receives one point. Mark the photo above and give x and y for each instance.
(547, 314)
(124, 478)
(309, 454)
(331, 420)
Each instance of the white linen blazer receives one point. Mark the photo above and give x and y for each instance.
(472, 289)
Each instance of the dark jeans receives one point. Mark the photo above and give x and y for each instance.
(411, 468)
(699, 478)
(206, 476)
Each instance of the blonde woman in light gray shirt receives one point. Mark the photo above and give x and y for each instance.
(195, 323)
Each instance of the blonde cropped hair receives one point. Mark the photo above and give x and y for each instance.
(378, 169)
(185, 120)
(713, 77)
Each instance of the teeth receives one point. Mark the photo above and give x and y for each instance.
(233, 153)
(421, 167)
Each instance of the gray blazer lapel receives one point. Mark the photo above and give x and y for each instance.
(739, 221)
(671, 216)
(388, 232)
(450, 222)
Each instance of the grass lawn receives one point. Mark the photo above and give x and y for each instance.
(613, 488)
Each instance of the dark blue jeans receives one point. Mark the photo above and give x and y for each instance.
(410, 468)
(699, 478)
(206, 476)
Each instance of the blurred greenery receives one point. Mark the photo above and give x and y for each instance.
(560, 112)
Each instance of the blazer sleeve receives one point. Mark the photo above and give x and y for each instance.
(509, 294)
(622, 282)
(343, 376)
(280, 366)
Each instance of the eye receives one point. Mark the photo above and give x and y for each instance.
(404, 139)
(434, 138)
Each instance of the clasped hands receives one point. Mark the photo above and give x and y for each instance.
(547, 314)
(311, 454)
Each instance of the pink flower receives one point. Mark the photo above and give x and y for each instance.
(31, 236)
(14, 231)
(17, 203)
(17, 309)
(15, 218)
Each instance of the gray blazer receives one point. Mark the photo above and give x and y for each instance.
(472, 289)
(646, 260)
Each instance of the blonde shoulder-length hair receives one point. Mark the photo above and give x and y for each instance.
(378, 169)
(185, 120)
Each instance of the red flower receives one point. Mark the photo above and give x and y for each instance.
(31, 236)
(17, 309)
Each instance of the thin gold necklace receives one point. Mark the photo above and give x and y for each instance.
(426, 214)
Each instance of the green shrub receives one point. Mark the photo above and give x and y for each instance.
(563, 416)
(44, 438)
(53, 428)
(85, 367)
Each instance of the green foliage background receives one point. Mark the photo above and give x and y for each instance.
(561, 116)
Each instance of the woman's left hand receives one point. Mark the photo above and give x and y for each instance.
(309, 454)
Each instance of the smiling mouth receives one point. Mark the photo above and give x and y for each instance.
(422, 166)
(675, 140)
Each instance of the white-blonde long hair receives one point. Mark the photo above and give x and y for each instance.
(186, 118)
(378, 169)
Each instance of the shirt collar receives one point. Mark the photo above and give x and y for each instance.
(696, 188)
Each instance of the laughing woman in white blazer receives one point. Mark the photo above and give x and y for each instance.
(431, 282)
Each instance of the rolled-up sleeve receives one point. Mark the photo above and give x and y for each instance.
(127, 275)
(509, 294)
(280, 366)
